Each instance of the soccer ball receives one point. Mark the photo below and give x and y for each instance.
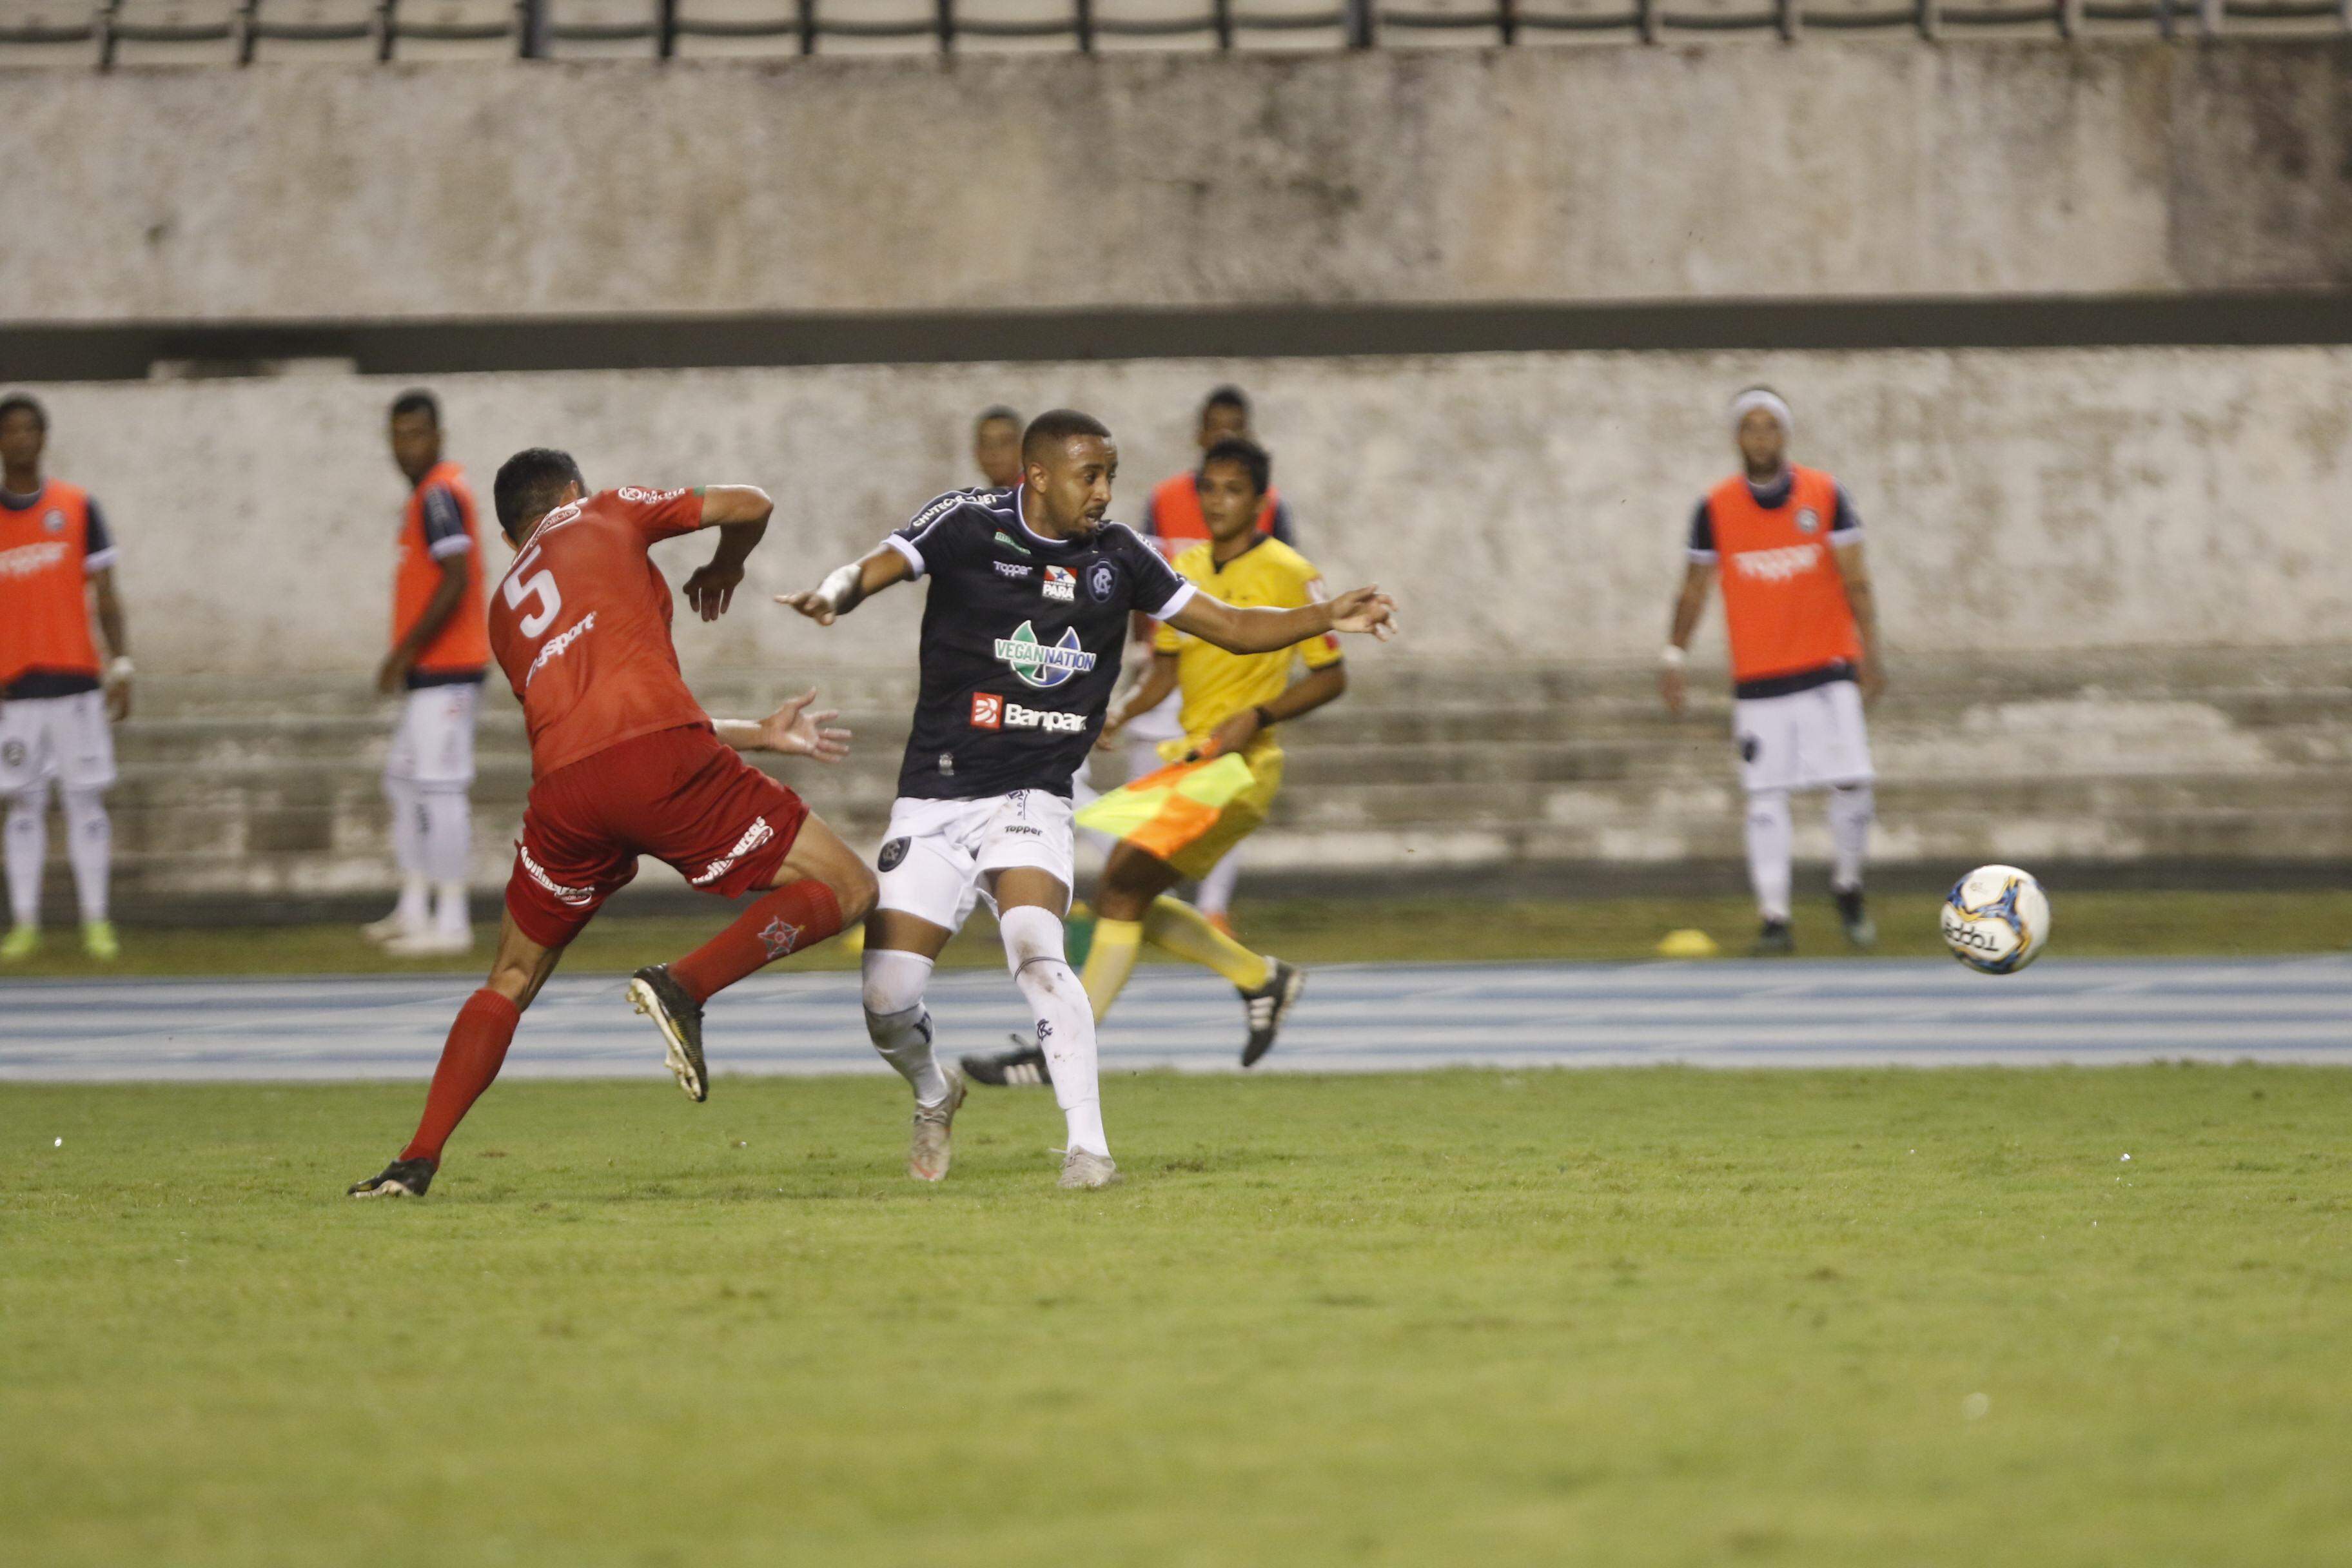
(1996, 919)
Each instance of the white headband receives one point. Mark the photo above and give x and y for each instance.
(1757, 397)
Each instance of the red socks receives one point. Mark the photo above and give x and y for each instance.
(795, 916)
(477, 1046)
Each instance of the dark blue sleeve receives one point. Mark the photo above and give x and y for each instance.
(97, 543)
(939, 535)
(444, 524)
(1846, 525)
(1154, 582)
(1702, 534)
(1285, 528)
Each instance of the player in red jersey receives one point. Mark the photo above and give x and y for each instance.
(624, 762)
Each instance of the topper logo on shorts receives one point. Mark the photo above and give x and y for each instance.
(990, 712)
(576, 896)
(758, 833)
(1039, 665)
(1778, 566)
(1060, 584)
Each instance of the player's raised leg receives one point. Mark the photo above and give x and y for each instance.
(470, 1060)
(818, 887)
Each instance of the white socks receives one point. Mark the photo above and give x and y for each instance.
(1217, 888)
(90, 845)
(898, 1022)
(28, 842)
(1065, 1019)
(1771, 844)
(1852, 809)
(446, 844)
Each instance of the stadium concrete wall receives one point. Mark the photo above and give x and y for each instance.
(1527, 508)
(1739, 171)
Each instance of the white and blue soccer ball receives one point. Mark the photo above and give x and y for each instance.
(1996, 919)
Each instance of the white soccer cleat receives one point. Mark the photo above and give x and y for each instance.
(431, 944)
(394, 927)
(931, 1147)
(1084, 1171)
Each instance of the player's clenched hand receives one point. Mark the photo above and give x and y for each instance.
(795, 731)
(1365, 610)
(712, 588)
(816, 606)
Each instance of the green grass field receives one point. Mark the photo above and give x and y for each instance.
(2087, 925)
(1641, 1317)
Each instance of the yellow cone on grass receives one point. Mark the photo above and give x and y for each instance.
(1687, 943)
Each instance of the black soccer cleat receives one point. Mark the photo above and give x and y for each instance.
(1023, 1066)
(1777, 939)
(1854, 917)
(401, 1179)
(655, 993)
(1268, 1006)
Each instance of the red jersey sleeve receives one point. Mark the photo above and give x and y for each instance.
(659, 514)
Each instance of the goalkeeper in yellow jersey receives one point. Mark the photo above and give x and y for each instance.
(1232, 705)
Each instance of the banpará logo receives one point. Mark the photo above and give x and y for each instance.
(554, 647)
(1014, 569)
(1038, 664)
(1778, 566)
(28, 559)
(1060, 584)
(990, 712)
(643, 496)
(1102, 581)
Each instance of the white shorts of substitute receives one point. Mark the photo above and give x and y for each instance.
(938, 852)
(62, 738)
(434, 741)
(1805, 740)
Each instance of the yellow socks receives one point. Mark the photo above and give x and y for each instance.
(1109, 962)
(1182, 930)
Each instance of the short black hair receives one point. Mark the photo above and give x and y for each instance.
(1057, 425)
(1252, 457)
(30, 404)
(1226, 396)
(417, 400)
(995, 412)
(528, 484)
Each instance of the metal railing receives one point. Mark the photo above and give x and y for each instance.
(535, 28)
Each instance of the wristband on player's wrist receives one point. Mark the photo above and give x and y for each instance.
(119, 669)
(1674, 655)
(1265, 716)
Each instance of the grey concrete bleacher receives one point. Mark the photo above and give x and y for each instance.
(244, 798)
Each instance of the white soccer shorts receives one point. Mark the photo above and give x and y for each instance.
(1805, 740)
(65, 738)
(938, 854)
(433, 743)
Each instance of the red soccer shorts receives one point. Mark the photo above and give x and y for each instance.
(680, 795)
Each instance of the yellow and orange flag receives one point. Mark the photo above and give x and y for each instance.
(1163, 813)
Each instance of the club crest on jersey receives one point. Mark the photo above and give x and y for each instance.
(1060, 584)
(54, 521)
(1808, 520)
(892, 853)
(1102, 581)
(1042, 665)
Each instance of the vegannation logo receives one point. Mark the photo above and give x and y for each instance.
(1038, 664)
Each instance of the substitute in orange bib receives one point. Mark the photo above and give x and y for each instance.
(1786, 545)
(440, 650)
(1174, 522)
(56, 558)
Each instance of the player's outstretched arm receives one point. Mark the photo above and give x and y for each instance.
(846, 587)
(740, 513)
(1697, 578)
(791, 731)
(1360, 610)
(1300, 697)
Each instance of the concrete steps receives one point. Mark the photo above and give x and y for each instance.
(239, 791)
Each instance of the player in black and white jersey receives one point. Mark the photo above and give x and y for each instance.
(1031, 591)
